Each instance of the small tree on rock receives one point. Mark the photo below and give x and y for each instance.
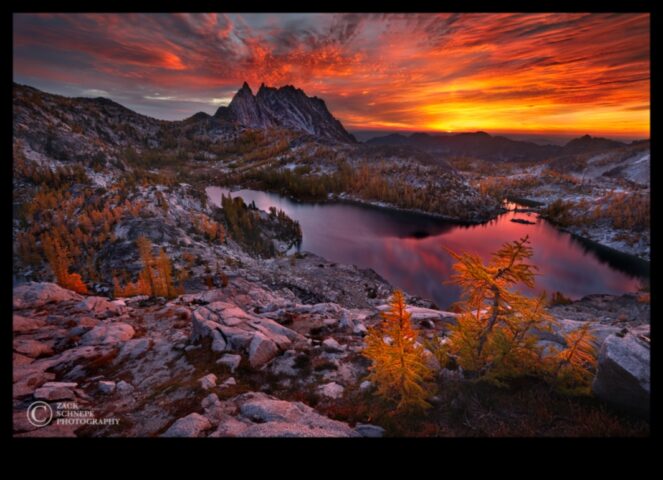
(496, 334)
(399, 368)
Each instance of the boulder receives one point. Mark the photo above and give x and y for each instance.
(370, 431)
(231, 328)
(203, 323)
(230, 360)
(108, 334)
(261, 350)
(238, 338)
(211, 400)
(230, 427)
(360, 328)
(564, 326)
(365, 386)
(421, 314)
(279, 418)
(101, 307)
(285, 365)
(32, 348)
(134, 348)
(18, 359)
(107, 387)
(192, 425)
(354, 324)
(229, 314)
(124, 387)
(280, 340)
(330, 322)
(208, 381)
(229, 382)
(623, 373)
(331, 390)
(38, 294)
(21, 324)
(51, 391)
(331, 345)
(268, 326)
(218, 342)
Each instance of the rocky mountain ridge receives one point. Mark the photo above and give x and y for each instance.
(287, 107)
(292, 134)
(497, 148)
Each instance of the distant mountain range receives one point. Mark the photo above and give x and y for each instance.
(496, 148)
(65, 127)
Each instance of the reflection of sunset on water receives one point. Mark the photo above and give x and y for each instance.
(382, 240)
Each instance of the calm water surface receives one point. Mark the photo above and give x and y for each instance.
(406, 249)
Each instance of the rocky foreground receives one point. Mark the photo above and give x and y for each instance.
(248, 360)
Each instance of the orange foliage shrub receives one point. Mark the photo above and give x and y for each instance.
(495, 335)
(209, 228)
(156, 278)
(399, 368)
(570, 364)
(58, 259)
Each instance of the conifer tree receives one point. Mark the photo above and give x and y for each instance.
(58, 259)
(572, 366)
(495, 336)
(156, 277)
(145, 253)
(399, 368)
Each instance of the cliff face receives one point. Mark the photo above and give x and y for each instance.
(286, 107)
(245, 110)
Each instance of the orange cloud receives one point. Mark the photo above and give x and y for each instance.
(571, 73)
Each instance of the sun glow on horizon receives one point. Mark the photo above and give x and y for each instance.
(534, 72)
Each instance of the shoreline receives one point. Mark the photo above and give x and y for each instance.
(578, 236)
(370, 204)
(595, 244)
(533, 204)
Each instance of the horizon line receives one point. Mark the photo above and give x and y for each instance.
(386, 129)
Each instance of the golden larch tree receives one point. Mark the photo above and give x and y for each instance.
(572, 366)
(399, 370)
(496, 333)
(58, 259)
(156, 277)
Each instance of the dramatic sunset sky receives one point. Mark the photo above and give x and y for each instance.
(536, 73)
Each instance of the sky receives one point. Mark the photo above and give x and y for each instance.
(500, 72)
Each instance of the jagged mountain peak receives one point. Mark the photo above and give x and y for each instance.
(287, 107)
(245, 89)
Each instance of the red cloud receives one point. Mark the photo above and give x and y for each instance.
(543, 72)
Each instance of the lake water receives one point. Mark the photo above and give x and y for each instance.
(407, 249)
